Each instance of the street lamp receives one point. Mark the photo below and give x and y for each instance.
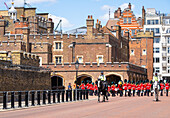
(77, 67)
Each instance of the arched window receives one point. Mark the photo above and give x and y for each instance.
(168, 30)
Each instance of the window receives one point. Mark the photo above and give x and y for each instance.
(168, 40)
(132, 52)
(129, 20)
(155, 50)
(143, 66)
(147, 29)
(164, 68)
(58, 45)
(168, 69)
(169, 60)
(156, 60)
(156, 30)
(156, 22)
(168, 49)
(148, 22)
(125, 20)
(163, 58)
(80, 59)
(156, 40)
(144, 52)
(168, 30)
(99, 58)
(133, 32)
(156, 69)
(163, 49)
(40, 62)
(58, 60)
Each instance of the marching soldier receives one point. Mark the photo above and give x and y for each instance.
(167, 87)
(151, 88)
(82, 86)
(145, 84)
(133, 87)
(161, 87)
(142, 88)
(148, 86)
(125, 86)
(129, 88)
(113, 89)
(138, 88)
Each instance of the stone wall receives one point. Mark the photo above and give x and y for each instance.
(21, 80)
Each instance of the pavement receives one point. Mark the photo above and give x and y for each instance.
(115, 107)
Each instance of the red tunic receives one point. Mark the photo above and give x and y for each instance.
(148, 86)
(134, 87)
(125, 86)
(120, 87)
(162, 86)
(113, 88)
(167, 86)
(108, 88)
(144, 86)
(129, 86)
(82, 86)
(95, 87)
(138, 87)
(87, 86)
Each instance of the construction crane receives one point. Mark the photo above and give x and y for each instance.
(25, 3)
(58, 31)
(6, 6)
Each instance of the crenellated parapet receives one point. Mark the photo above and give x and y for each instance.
(145, 34)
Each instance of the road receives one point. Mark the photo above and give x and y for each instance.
(116, 107)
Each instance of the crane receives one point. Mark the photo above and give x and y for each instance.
(59, 23)
(25, 3)
(6, 6)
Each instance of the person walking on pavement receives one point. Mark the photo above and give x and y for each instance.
(155, 86)
(129, 88)
(120, 87)
(125, 87)
(133, 87)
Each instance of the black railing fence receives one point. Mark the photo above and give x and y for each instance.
(19, 99)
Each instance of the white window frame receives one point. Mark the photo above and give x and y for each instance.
(54, 46)
(124, 20)
(80, 56)
(157, 69)
(168, 69)
(168, 60)
(54, 58)
(131, 52)
(98, 58)
(168, 50)
(40, 62)
(144, 53)
(129, 20)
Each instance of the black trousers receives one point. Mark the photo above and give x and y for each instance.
(142, 93)
(129, 93)
(147, 92)
(138, 93)
(133, 92)
(125, 93)
(121, 93)
(166, 92)
(162, 92)
(113, 94)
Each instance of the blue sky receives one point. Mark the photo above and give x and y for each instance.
(74, 12)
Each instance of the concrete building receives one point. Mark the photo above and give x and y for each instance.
(159, 24)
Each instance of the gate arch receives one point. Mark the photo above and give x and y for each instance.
(113, 77)
(57, 82)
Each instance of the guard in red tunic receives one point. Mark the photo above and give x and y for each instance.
(95, 88)
(133, 87)
(138, 88)
(167, 87)
(145, 84)
(142, 88)
(161, 87)
(125, 86)
(151, 88)
(148, 87)
(90, 88)
(129, 88)
(120, 88)
(82, 86)
(113, 89)
(87, 85)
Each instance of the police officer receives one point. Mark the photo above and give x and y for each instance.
(102, 76)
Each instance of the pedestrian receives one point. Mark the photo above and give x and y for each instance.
(69, 86)
(125, 87)
(167, 88)
(120, 88)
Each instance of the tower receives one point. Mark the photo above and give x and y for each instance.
(12, 12)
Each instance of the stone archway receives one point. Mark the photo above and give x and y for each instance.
(113, 78)
(83, 77)
(57, 82)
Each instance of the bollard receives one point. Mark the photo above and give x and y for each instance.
(87, 93)
(58, 97)
(12, 100)
(78, 95)
(32, 98)
(66, 95)
(38, 97)
(74, 95)
(49, 97)
(4, 100)
(19, 99)
(63, 96)
(54, 97)
(84, 95)
(44, 97)
(70, 95)
(26, 99)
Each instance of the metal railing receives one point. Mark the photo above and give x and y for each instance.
(20, 99)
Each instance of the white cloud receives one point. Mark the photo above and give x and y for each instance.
(21, 2)
(125, 5)
(106, 8)
(65, 22)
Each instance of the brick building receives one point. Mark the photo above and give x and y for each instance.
(141, 43)
(100, 49)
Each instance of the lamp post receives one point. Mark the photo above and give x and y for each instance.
(77, 67)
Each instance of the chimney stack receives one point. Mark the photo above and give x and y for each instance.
(143, 16)
(118, 31)
(90, 25)
(130, 6)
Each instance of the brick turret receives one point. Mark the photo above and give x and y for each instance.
(90, 25)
